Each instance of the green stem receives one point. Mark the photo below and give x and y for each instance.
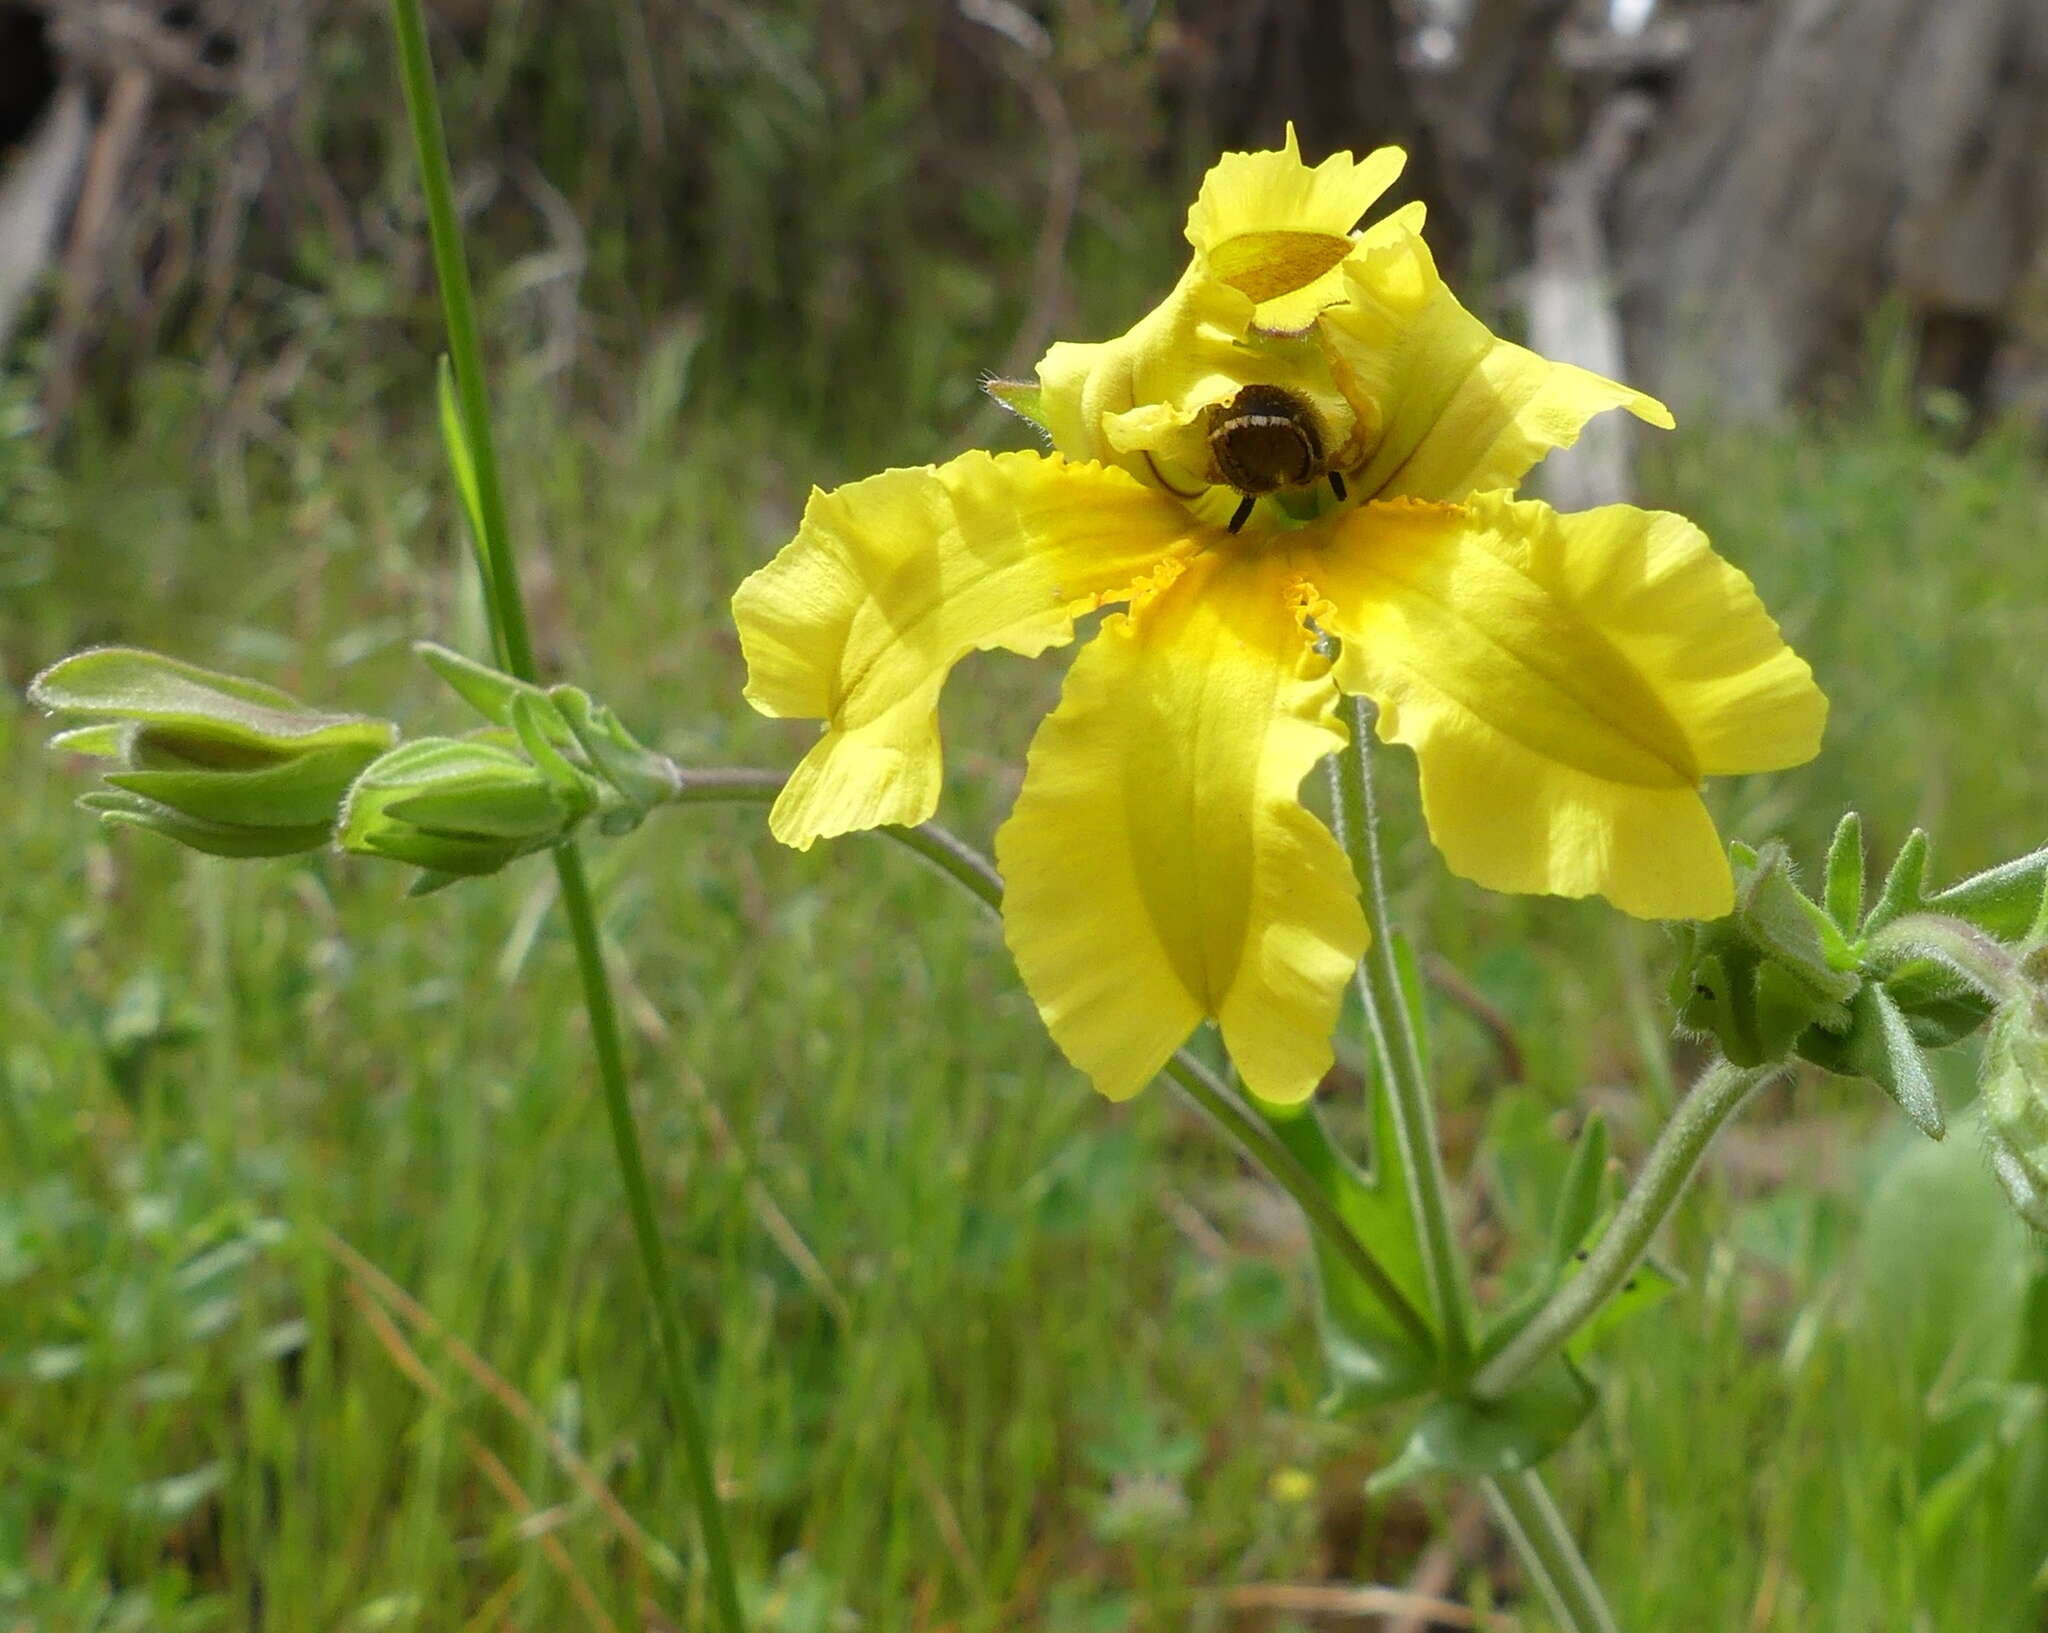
(508, 615)
(1548, 1553)
(955, 858)
(1523, 1505)
(465, 349)
(968, 868)
(689, 1415)
(1396, 1050)
(725, 785)
(1667, 1170)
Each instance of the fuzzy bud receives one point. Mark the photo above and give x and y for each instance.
(216, 762)
(2013, 1094)
(459, 807)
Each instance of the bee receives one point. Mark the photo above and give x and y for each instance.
(1264, 439)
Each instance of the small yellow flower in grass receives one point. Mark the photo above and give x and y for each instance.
(1309, 436)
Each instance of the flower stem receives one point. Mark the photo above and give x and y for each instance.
(508, 616)
(689, 1415)
(1667, 1170)
(1523, 1506)
(465, 349)
(1396, 1050)
(973, 872)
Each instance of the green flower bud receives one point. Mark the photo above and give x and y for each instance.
(566, 733)
(216, 762)
(1865, 994)
(2013, 1095)
(640, 778)
(461, 807)
(1758, 979)
(1870, 992)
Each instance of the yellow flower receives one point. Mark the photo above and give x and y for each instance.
(1307, 436)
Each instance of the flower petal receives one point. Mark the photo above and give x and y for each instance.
(1465, 412)
(1269, 226)
(1271, 237)
(1141, 401)
(1565, 681)
(1159, 866)
(1168, 354)
(891, 581)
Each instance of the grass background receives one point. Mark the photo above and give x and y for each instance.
(983, 1351)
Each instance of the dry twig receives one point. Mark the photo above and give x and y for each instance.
(371, 1280)
(1438, 1567)
(492, 1467)
(1345, 1600)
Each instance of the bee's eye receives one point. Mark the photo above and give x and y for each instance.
(1265, 439)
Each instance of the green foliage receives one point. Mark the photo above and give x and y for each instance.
(33, 489)
(1905, 884)
(1580, 1197)
(1879, 1046)
(638, 778)
(578, 743)
(970, 1318)
(461, 468)
(491, 692)
(755, 186)
(1842, 896)
(1371, 1359)
(2004, 902)
(194, 714)
(1459, 1435)
(1861, 1449)
(1554, 1204)
(234, 767)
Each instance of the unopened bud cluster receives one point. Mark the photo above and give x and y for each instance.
(237, 768)
(1872, 993)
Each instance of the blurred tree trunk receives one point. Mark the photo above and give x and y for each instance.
(1336, 68)
(1817, 156)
